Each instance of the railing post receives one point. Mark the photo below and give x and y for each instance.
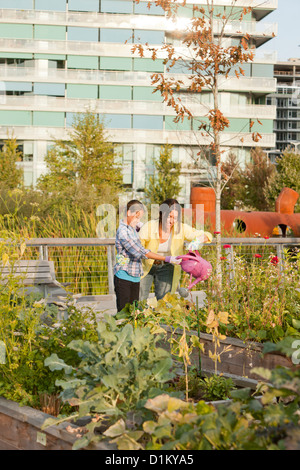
(110, 264)
(231, 273)
(43, 252)
(230, 262)
(280, 256)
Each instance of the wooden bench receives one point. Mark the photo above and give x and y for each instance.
(35, 276)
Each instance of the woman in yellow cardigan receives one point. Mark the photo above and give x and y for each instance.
(166, 236)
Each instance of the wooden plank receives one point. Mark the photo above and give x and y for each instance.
(25, 269)
(28, 262)
(30, 272)
(70, 241)
(239, 361)
(32, 275)
(5, 446)
(31, 282)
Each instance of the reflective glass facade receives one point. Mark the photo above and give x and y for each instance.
(58, 58)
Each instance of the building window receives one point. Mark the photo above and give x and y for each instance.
(142, 36)
(143, 121)
(86, 5)
(117, 121)
(116, 6)
(49, 89)
(53, 5)
(116, 35)
(148, 8)
(16, 4)
(77, 33)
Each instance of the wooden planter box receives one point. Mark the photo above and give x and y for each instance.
(20, 429)
(238, 362)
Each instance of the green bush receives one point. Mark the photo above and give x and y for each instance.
(30, 331)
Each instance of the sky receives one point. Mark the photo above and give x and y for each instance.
(287, 42)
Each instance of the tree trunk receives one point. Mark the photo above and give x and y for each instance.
(218, 182)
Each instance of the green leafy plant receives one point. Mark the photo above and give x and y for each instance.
(216, 387)
(116, 373)
(158, 315)
(30, 330)
(247, 422)
(165, 181)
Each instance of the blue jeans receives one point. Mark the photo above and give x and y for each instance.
(162, 276)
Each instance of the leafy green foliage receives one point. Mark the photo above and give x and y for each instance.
(10, 175)
(256, 176)
(116, 373)
(242, 183)
(287, 175)
(245, 423)
(232, 175)
(85, 164)
(30, 330)
(215, 387)
(253, 315)
(164, 183)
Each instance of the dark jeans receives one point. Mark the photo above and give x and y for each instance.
(162, 276)
(126, 292)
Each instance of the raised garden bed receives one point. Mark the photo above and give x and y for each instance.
(239, 361)
(20, 429)
(20, 426)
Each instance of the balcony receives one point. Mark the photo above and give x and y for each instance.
(144, 137)
(35, 74)
(261, 8)
(32, 46)
(259, 30)
(84, 19)
(49, 103)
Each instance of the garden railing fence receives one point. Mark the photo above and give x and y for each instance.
(87, 263)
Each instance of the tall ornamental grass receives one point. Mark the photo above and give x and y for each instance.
(83, 267)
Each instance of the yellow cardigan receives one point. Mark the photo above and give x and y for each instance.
(149, 236)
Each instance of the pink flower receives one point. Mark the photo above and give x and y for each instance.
(226, 246)
(257, 255)
(274, 260)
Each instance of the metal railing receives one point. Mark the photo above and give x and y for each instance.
(87, 263)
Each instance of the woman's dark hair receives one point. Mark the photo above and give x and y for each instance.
(164, 210)
(134, 205)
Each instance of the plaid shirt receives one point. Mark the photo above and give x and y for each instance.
(130, 251)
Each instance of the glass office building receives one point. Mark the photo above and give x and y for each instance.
(62, 57)
(287, 102)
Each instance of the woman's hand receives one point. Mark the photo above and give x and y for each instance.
(172, 260)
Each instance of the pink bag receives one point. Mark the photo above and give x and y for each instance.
(196, 266)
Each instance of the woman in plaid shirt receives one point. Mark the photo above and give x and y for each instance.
(130, 252)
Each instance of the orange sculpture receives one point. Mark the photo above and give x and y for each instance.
(283, 222)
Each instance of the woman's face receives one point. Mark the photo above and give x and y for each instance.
(172, 219)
